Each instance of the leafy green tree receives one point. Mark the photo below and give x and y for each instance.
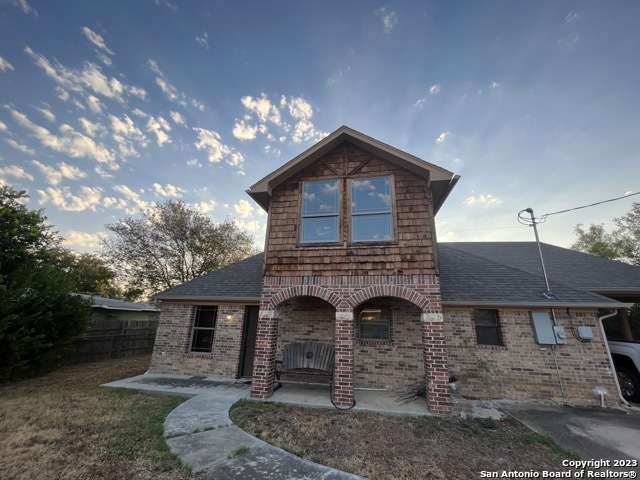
(170, 244)
(89, 273)
(39, 318)
(622, 244)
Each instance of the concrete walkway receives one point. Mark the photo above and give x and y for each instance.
(201, 433)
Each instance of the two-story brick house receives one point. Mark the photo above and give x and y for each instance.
(351, 259)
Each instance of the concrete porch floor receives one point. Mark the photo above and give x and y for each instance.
(366, 400)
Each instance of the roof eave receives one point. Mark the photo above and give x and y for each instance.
(202, 298)
(499, 303)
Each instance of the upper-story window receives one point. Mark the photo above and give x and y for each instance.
(371, 209)
(320, 211)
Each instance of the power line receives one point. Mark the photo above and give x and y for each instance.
(538, 220)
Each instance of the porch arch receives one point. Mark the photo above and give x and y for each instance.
(397, 291)
(305, 291)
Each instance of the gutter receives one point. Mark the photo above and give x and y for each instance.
(203, 298)
(471, 303)
(613, 367)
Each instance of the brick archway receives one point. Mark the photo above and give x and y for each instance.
(396, 291)
(305, 291)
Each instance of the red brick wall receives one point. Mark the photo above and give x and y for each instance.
(523, 369)
(171, 350)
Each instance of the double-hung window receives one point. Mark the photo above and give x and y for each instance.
(371, 209)
(487, 327)
(204, 327)
(320, 211)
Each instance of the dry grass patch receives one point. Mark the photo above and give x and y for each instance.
(63, 425)
(385, 447)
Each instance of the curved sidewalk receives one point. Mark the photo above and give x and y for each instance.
(201, 433)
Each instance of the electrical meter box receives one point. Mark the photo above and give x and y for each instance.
(544, 331)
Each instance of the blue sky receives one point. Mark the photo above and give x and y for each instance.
(107, 107)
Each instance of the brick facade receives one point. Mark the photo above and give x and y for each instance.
(416, 332)
(523, 369)
(171, 350)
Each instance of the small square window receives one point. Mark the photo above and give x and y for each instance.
(204, 325)
(487, 327)
(374, 324)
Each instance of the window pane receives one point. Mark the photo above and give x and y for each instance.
(202, 340)
(320, 198)
(205, 318)
(371, 228)
(371, 195)
(487, 318)
(320, 229)
(487, 335)
(374, 324)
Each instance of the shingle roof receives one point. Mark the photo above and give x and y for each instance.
(113, 304)
(241, 281)
(471, 273)
(472, 279)
(572, 268)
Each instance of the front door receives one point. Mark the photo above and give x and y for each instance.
(250, 332)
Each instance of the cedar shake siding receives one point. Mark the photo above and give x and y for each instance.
(410, 253)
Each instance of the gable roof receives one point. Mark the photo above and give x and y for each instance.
(442, 181)
(490, 274)
(239, 282)
(113, 304)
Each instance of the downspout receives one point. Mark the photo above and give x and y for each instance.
(606, 346)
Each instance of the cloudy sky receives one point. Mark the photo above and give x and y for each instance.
(107, 107)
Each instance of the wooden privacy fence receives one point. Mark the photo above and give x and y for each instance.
(114, 339)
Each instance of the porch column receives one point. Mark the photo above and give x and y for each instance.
(435, 363)
(343, 368)
(264, 360)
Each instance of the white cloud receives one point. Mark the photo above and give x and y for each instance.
(242, 131)
(243, 208)
(434, 89)
(571, 16)
(484, 200)
(421, 102)
(443, 137)
(160, 127)
(46, 113)
(263, 108)
(125, 132)
(168, 190)
(389, 19)
(89, 78)
(24, 6)
(15, 172)
(62, 94)
(70, 142)
(91, 128)
(253, 226)
(210, 141)
(300, 109)
(178, 118)
(203, 40)
(171, 91)
(194, 163)
(305, 130)
(494, 85)
(98, 169)
(94, 104)
(338, 75)
(54, 177)
(88, 198)
(3, 127)
(96, 39)
(4, 65)
(20, 147)
(83, 239)
(133, 197)
(205, 207)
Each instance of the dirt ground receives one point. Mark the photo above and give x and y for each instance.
(385, 447)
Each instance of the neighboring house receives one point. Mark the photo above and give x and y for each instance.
(112, 309)
(351, 259)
